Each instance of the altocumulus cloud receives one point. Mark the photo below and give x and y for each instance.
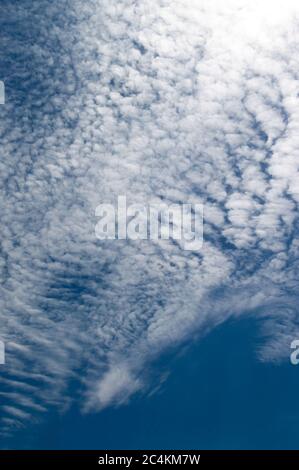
(173, 100)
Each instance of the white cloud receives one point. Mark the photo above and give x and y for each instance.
(177, 99)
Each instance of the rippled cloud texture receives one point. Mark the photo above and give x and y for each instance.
(173, 100)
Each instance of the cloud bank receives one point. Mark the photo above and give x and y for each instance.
(181, 101)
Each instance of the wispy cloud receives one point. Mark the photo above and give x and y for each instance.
(181, 100)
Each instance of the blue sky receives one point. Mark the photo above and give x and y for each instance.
(218, 396)
(179, 101)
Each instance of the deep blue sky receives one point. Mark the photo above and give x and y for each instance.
(218, 396)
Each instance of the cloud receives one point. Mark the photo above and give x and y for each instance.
(194, 103)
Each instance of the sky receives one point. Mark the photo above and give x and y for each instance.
(218, 396)
(163, 100)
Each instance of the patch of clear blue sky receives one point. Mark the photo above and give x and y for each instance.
(218, 396)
